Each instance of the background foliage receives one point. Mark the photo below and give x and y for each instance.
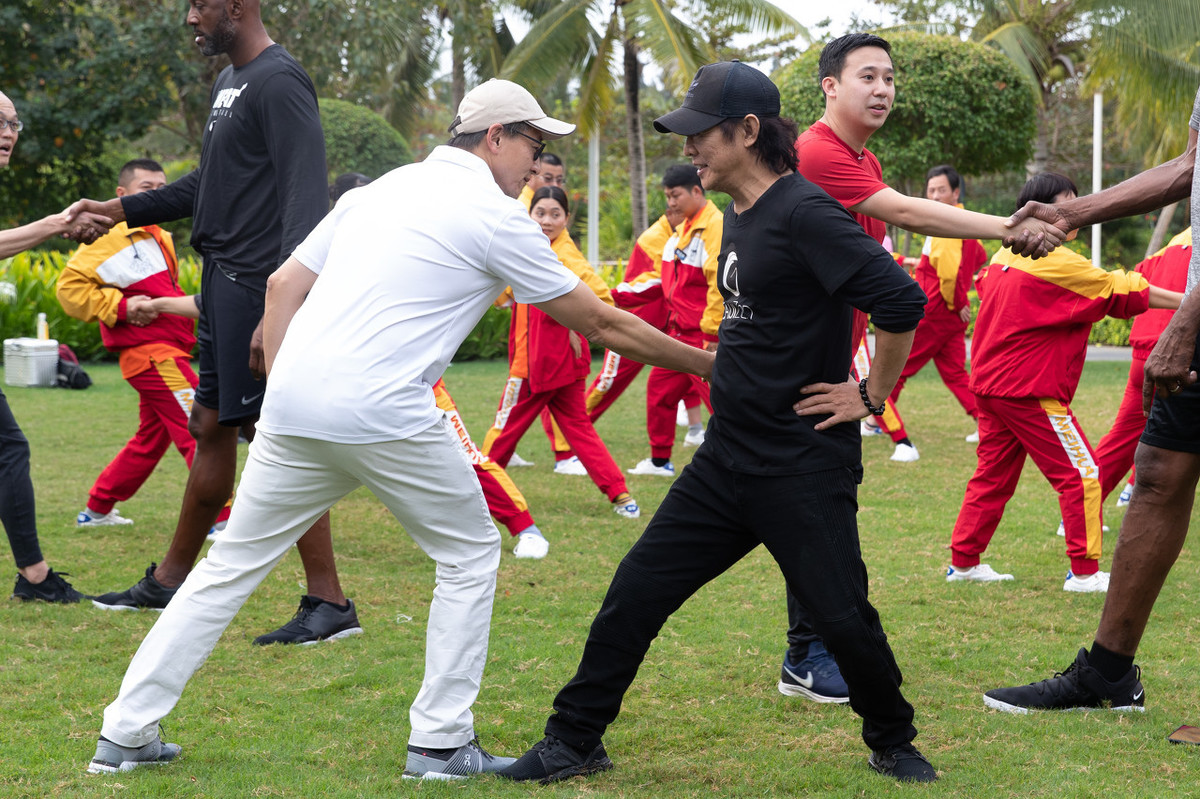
(359, 140)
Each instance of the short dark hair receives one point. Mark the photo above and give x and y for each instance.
(145, 164)
(554, 193)
(776, 142)
(344, 183)
(952, 176)
(469, 141)
(681, 176)
(551, 159)
(833, 57)
(1044, 188)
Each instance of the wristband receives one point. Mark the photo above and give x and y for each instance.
(862, 390)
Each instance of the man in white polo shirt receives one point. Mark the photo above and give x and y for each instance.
(374, 304)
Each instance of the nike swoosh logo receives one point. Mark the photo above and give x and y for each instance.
(807, 682)
(1138, 695)
(246, 401)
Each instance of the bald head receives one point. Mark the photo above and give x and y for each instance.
(8, 134)
(232, 27)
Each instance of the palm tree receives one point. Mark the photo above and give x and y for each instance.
(1146, 55)
(592, 37)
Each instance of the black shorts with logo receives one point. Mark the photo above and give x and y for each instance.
(229, 313)
(1174, 421)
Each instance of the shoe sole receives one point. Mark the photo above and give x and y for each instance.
(583, 770)
(651, 474)
(334, 637)
(125, 523)
(102, 606)
(787, 689)
(1005, 707)
(129, 765)
(954, 579)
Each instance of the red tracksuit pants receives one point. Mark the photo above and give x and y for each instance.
(1049, 433)
(165, 395)
(519, 407)
(1115, 451)
(616, 374)
(939, 338)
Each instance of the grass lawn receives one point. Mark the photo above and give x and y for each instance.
(703, 718)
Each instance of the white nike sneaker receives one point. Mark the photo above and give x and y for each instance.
(571, 466)
(531, 545)
(1089, 584)
(1126, 495)
(973, 438)
(982, 573)
(517, 461)
(905, 453)
(866, 428)
(693, 439)
(681, 419)
(646, 466)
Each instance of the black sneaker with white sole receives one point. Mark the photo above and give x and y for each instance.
(316, 620)
(1080, 686)
(452, 764)
(902, 762)
(112, 758)
(552, 759)
(53, 589)
(148, 593)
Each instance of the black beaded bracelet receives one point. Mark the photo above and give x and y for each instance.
(862, 390)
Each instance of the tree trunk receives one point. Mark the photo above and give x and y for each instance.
(1162, 229)
(458, 72)
(637, 149)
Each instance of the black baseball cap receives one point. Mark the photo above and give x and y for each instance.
(721, 91)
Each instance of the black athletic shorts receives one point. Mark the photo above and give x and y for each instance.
(229, 313)
(1174, 421)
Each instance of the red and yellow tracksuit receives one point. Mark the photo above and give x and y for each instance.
(504, 500)
(1166, 269)
(154, 359)
(545, 373)
(687, 284)
(1026, 359)
(944, 272)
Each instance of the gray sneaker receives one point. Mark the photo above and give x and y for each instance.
(465, 761)
(112, 758)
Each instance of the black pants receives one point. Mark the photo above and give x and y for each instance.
(711, 518)
(17, 511)
(800, 628)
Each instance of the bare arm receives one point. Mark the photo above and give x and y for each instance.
(938, 219)
(1148, 191)
(286, 289)
(1163, 298)
(624, 333)
(842, 401)
(19, 239)
(180, 306)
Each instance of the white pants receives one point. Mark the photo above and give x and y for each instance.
(288, 482)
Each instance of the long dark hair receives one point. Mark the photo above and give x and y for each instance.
(554, 193)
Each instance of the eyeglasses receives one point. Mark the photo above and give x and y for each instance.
(537, 152)
(15, 124)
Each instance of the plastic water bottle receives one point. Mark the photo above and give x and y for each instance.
(43, 329)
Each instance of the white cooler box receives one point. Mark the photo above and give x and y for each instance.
(30, 362)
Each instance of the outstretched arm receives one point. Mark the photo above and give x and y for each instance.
(624, 333)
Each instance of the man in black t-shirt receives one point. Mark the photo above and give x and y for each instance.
(782, 459)
(259, 190)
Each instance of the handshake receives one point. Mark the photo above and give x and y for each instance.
(84, 221)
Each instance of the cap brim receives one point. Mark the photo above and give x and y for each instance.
(551, 128)
(686, 122)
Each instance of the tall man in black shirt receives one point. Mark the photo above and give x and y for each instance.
(259, 190)
(782, 457)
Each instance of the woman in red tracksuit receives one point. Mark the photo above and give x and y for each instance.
(548, 364)
(1026, 360)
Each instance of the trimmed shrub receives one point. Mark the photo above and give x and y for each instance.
(359, 140)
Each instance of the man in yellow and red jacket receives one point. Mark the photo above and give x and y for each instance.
(112, 281)
(944, 271)
(687, 284)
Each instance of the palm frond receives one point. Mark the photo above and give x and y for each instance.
(563, 36)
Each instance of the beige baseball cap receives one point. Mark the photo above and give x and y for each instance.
(501, 102)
